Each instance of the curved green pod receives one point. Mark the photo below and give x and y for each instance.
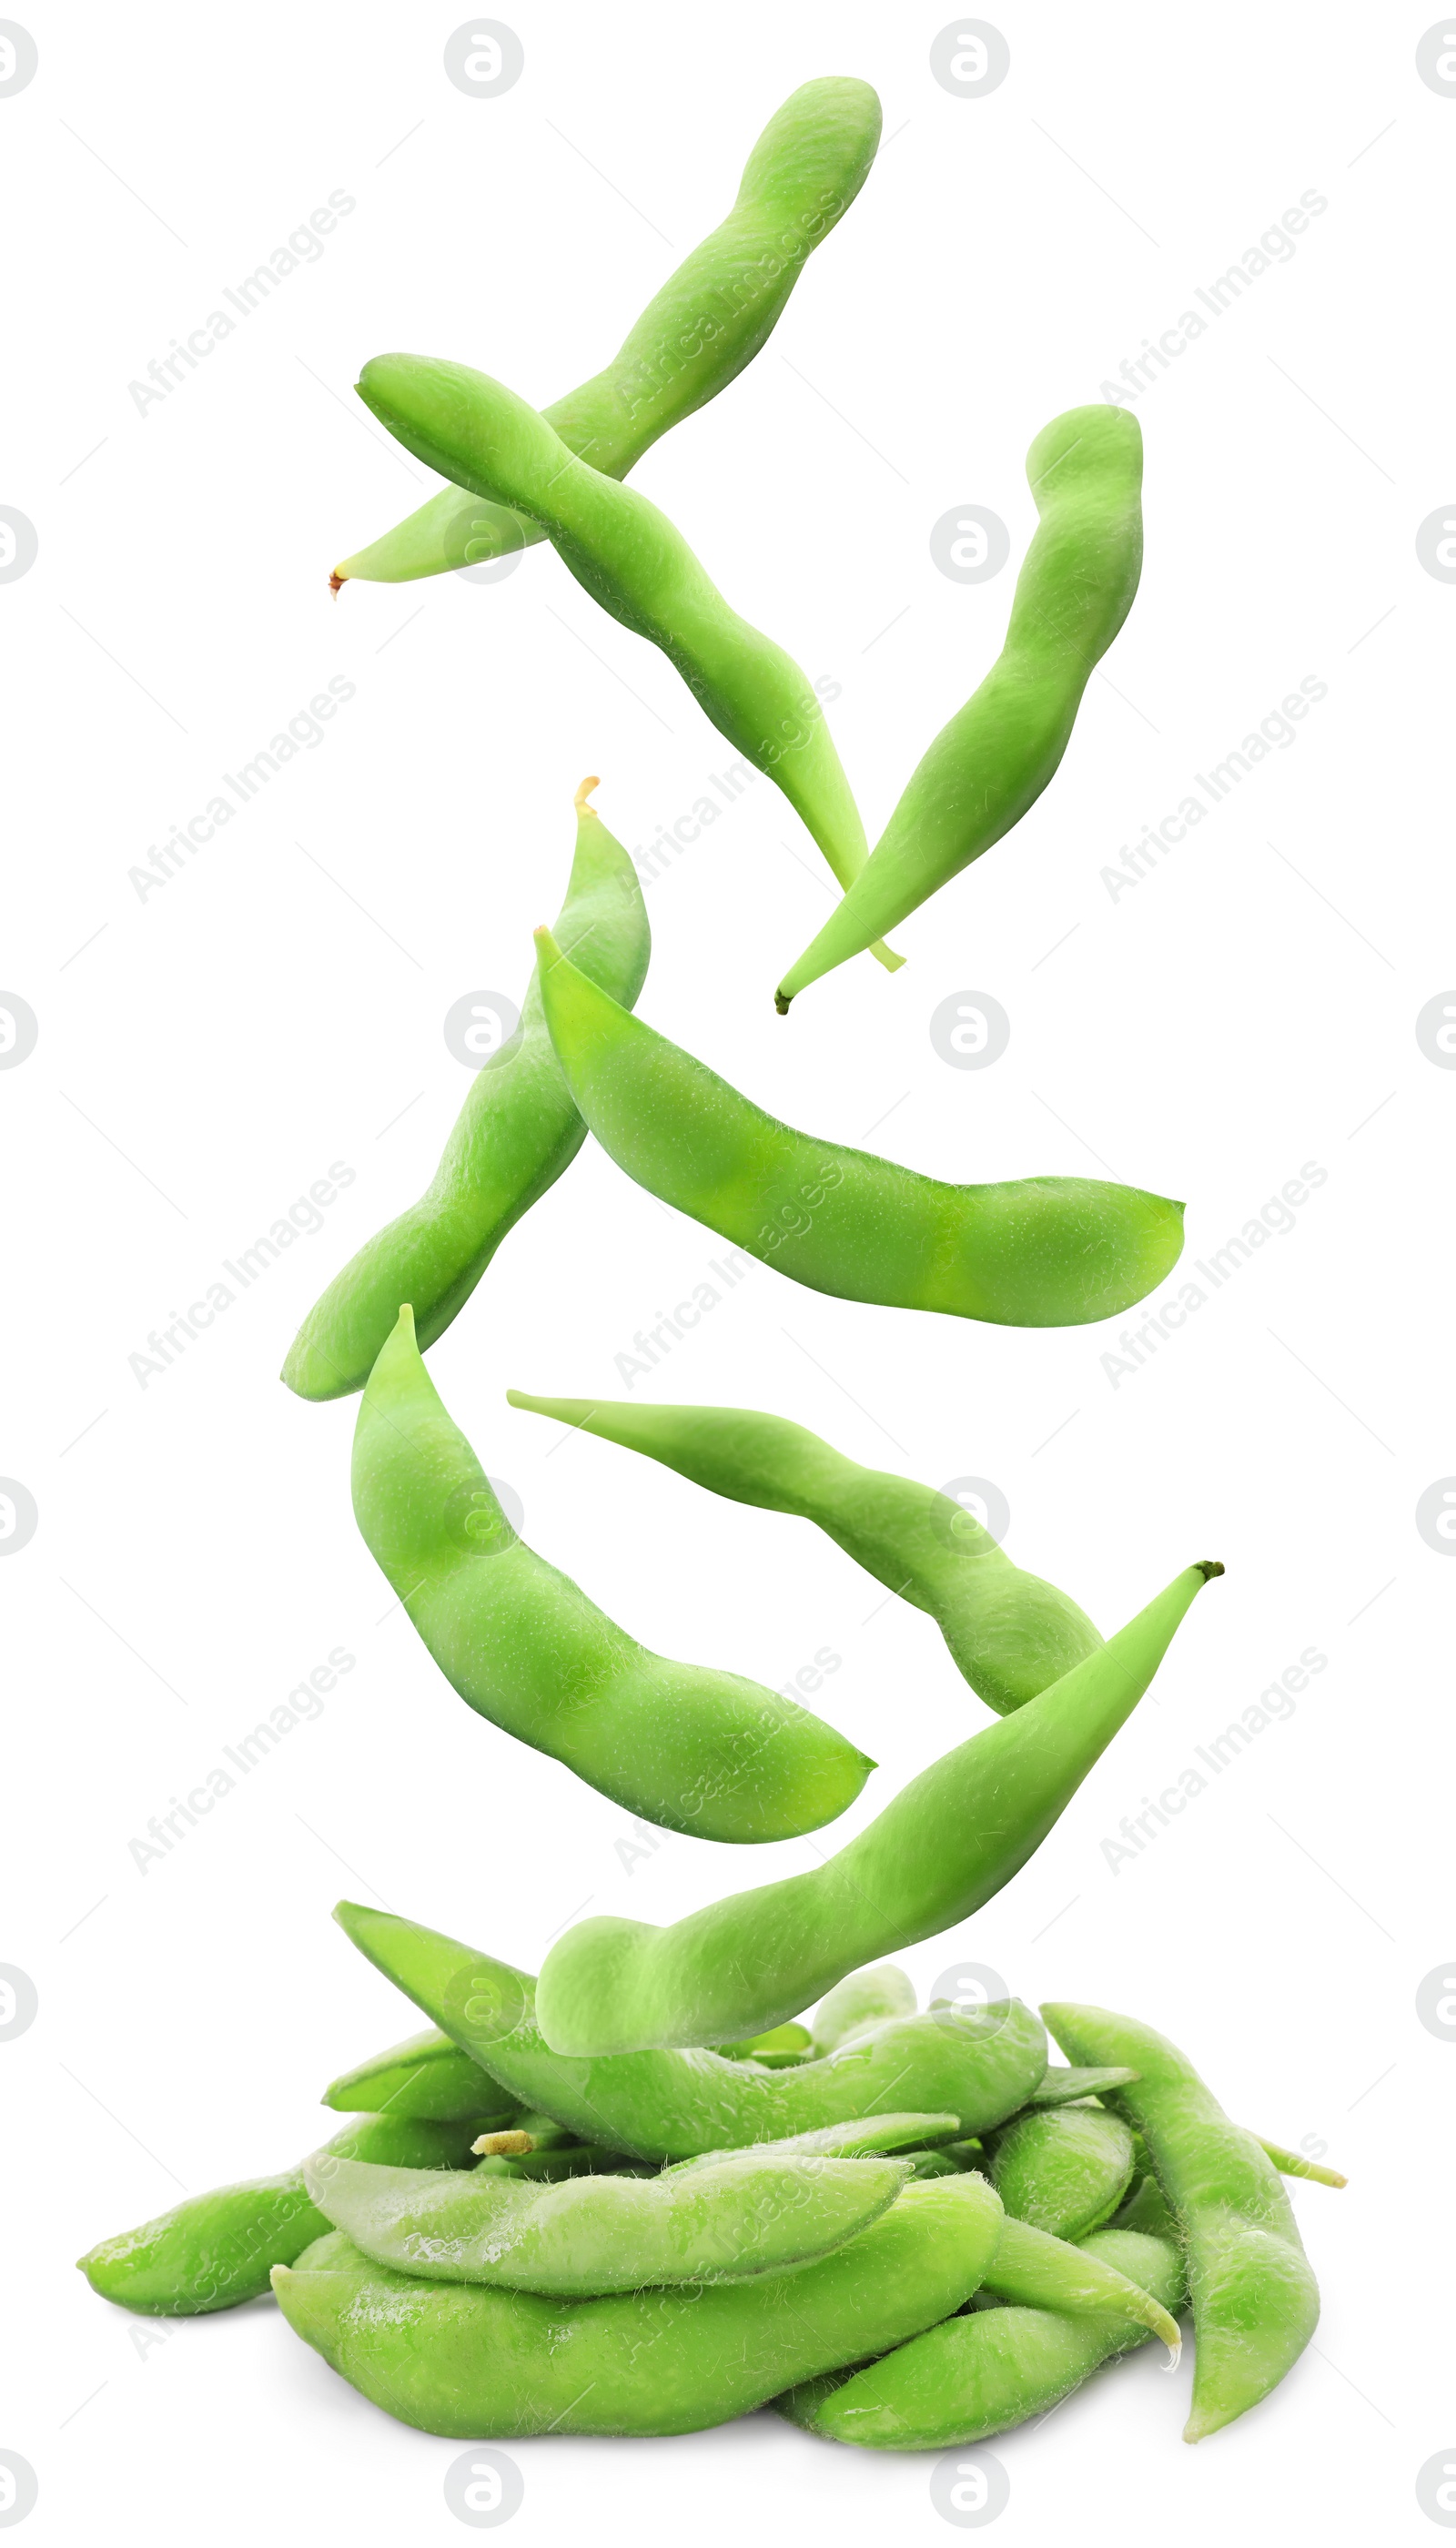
(1010, 1634)
(695, 335)
(978, 2375)
(463, 2360)
(987, 769)
(689, 1748)
(425, 2075)
(674, 2105)
(861, 2000)
(751, 2214)
(516, 1135)
(1042, 1253)
(1041, 2269)
(1255, 2300)
(1062, 2168)
(218, 2249)
(945, 1845)
(637, 564)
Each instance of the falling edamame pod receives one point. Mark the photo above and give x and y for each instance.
(1255, 2300)
(1010, 1634)
(218, 2249)
(689, 1748)
(516, 1133)
(708, 320)
(977, 2375)
(464, 2360)
(638, 565)
(1063, 2169)
(990, 764)
(745, 2217)
(1042, 1253)
(944, 1847)
(977, 2066)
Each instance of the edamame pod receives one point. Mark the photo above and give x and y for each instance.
(425, 2075)
(747, 2215)
(871, 2136)
(946, 1844)
(218, 2249)
(859, 2001)
(973, 2376)
(1044, 1252)
(671, 2105)
(1063, 2169)
(638, 565)
(987, 769)
(689, 1748)
(1060, 2087)
(516, 1135)
(480, 2364)
(1010, 1634)
(708, 320)
(1255, 2300)
(1035, 2269)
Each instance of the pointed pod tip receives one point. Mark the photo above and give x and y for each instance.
(582, 794)
(336, 581)
(546, 946)
(1208, 1567)
(781, 1002)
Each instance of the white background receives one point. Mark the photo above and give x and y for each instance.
(204, 1054)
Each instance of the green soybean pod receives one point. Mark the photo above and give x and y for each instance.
(977, 2375)
(864, 1999)
(1063, 2169)
(944, 1847)
(974, 2067)
(990, 764)
(218, 2249)
(1255, 2300)
(1010, 1634)
(464, 2360)
(1044, 1252)
(588, 2235)
(1039, 2269)
(708, 320)
(516, 1135)
(638, 565)
(871, 2136)
(689, 1748)
(424, 2076)
(1064, 2087)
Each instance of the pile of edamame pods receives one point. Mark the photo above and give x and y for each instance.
(647, 2193)
(902, 2229)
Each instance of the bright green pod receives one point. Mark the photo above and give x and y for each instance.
(1010, 1634)
(698, 333)
(750, 2215)
(1255, 2300)
(218, 2249)
(990, 764)
(1041, 1253)
(516, 1135)
(946, 1844)
(689, 1748)
(978, 2375)
(638, 565)
(1061, 2087)
(1063, 2168)
(425, 2075)
(859, 2001)
(463, 2360)
(976, 2067)
(871, 2136)
(778, 2043)
(1040, 2269)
